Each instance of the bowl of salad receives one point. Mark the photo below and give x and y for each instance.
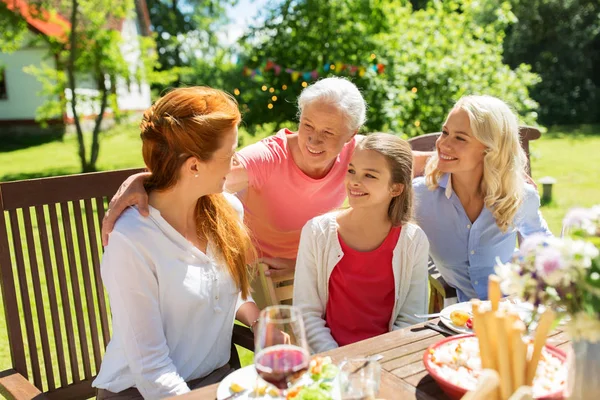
(454, 363)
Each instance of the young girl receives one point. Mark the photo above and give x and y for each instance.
(362, 271)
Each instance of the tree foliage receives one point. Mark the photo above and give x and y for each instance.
(438, 54)
(305, 36)
(185, 32)
(432, 56)
(560, 39)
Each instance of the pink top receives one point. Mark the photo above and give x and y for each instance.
(280, 198)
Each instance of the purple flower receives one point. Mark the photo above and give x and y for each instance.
(547, 263)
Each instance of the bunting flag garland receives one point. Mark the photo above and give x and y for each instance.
(353, 70)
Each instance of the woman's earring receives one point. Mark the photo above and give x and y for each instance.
(195, 175)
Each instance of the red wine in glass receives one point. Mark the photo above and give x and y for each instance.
(282, 365)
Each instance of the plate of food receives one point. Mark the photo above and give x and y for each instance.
(459, 317)
(319, 383)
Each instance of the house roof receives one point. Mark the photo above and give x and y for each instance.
(49, 24)
(52, 24)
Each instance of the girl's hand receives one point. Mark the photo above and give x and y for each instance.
(130, 193)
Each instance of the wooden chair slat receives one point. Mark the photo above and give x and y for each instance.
(87, 282)
(54, 310)
(9, 295)
(64, 294)
(75, 289)
(99, 286)
(39, 300)
(284, 292)
(37, 192)
(26, 304)
(94, 244)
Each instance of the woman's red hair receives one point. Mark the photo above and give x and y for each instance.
(192, 122)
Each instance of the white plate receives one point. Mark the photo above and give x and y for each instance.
(248, 379)
(524, 310)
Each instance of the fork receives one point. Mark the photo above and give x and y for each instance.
(237, 394)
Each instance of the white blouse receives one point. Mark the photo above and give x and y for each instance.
(173, 307)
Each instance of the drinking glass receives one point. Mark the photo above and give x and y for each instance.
(359, 379)
(281, 350)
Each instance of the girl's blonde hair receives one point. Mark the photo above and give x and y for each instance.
(398, 154)
(496, 126)
(192, 122)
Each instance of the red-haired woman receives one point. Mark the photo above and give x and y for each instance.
(177, 280)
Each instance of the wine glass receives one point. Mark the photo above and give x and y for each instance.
(359, 378)
(281, 350)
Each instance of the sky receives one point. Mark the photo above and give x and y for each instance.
(241, 16)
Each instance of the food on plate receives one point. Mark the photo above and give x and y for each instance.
(259, 389)
(459, 317)
(469, 323)
(459, 362)
(316, 391)
(316, 385)
(235, 388)
(321, 368)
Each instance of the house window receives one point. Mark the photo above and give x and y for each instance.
(3, 94)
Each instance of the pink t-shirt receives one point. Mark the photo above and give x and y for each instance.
(280, 198)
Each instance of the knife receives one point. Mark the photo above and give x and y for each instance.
(439, 329)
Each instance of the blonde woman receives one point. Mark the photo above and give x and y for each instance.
(474, 200)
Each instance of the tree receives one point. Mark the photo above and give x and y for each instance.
(92, 54)
(186, 30)
(560, 39)
(434, 56)
(429, 57)
(305, 36)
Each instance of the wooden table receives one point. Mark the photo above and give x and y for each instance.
(403, 374)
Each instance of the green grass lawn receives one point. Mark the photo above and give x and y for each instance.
(570, 155)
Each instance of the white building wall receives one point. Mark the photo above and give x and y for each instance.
(136, 95)
(22, 88)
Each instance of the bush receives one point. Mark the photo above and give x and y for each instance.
(436, 55)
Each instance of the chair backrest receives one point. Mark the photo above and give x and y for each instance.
(277, 290)
(54, 302)
(427, 142)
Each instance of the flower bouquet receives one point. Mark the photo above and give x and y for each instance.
(564, 274)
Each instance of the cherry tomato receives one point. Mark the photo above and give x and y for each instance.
(469, 323)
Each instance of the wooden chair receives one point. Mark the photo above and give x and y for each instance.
(440, 290)
(276, 290)
(56, 310)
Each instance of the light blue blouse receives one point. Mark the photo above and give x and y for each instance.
(464, 252)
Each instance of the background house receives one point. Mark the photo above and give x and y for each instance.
(20, 92)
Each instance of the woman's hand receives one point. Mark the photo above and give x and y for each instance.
(131, 192)
(278, 266)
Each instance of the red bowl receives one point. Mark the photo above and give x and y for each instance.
(455, 392)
